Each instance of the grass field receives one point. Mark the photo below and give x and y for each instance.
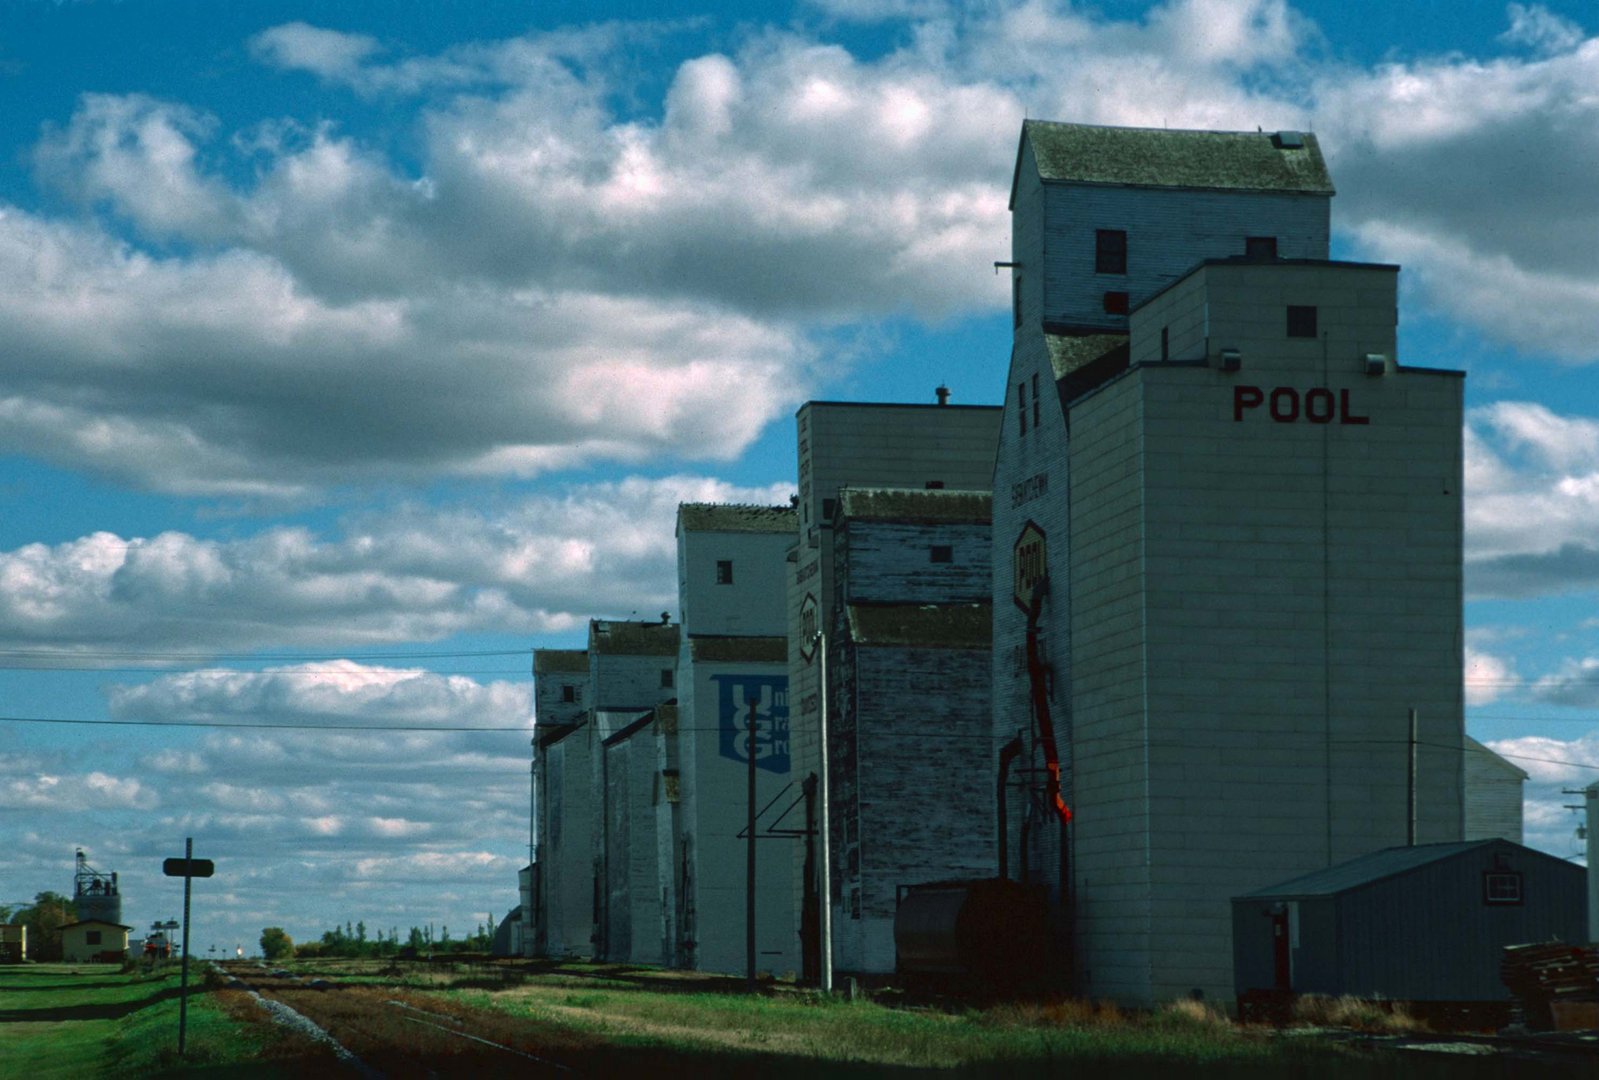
(699, 1025)
(64, 1020)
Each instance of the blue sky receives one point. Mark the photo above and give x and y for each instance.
(350, 350)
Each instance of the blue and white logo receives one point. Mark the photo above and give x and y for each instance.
(769, 694)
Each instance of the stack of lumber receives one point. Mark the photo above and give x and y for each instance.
(1542, 974)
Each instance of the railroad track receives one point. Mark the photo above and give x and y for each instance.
(386, 1031)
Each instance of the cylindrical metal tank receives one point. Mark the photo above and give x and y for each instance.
(96, 895)
(994, 930)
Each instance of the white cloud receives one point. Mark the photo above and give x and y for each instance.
(1532, 500)
(331, 54)
(1488, 677)
(1541, 29)
(1555, 767)
(326, 692)
(543, 564)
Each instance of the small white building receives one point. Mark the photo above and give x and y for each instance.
(94, 941)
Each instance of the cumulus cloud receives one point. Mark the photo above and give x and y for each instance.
(547, 282)
(1554, 767)
(543, 564)
(1488, 676)
(1532, 501)
(335, 692)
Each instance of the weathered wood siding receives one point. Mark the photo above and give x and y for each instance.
(890, 562)
(913, 787)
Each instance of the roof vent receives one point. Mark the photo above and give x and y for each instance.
(1289, 140)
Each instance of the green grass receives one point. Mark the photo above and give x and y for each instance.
(74, 1021)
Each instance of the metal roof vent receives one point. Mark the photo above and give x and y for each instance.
(1289, 140)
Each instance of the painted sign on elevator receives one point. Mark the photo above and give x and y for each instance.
(770, 696)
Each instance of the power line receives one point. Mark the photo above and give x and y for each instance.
(532, 730)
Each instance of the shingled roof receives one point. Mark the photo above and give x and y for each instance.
(632, 638)
(928, 626)
(733, 517)
(550, 661)
(916, 504)
(1156, 157)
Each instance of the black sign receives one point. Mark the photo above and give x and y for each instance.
(188, 868)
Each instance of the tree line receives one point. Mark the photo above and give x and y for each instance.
(352, 941)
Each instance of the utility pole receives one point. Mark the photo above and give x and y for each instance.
(749, 855)
(1410, 787)
(823, 827)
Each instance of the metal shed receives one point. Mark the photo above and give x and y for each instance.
(1423, 923)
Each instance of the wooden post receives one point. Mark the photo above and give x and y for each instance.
(749, 856)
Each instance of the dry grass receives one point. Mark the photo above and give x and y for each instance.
(1357, 1014)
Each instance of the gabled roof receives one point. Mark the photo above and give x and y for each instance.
(1158, 157)
(916, 504)
(932, 626)
(96, 922)
(732, 517)
(1387, 863)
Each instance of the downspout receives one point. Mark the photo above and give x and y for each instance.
(1039, 683)
(1007, 754)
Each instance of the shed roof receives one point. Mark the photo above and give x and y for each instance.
(550, 661)
(1158, 157)
(916, 504)
(1069, 353)
(930, 626)
(719, 649)
(736, 517)
(621, 638)
(1379, 865)
(96, 922)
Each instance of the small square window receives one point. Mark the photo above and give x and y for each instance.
(1260, 247)
(569, 693)
(1501, 887)
(666, 678)
(91, 937)
(934, 485)
(1165, 343)
(942, 553)
(1302, 320)
(827, 510)
(724, 571)
(1115, 303)
(1110, 251)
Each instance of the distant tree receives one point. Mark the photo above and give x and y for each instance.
(416, 940)
(44, 920)
(360, 932)
(275, 944)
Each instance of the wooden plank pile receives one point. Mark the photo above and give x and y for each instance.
(1541, 974)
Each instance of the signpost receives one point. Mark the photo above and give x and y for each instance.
(188, 868)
